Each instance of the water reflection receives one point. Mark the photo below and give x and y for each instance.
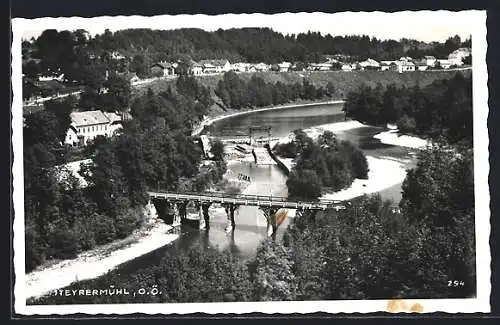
(268, 180)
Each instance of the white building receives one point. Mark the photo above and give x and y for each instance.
(430, 61)
(405, 65)
(347, 67)
(386, 65)
(241, 67)
(86, 126)
(262, 66)
(115, 55)
(195, 68)
(284, 66)
(320, 66)
(215, 66)
(370, 64)
(163, 68)
(51, 77)
(445, 64)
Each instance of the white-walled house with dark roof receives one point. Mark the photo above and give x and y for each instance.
(88, 125)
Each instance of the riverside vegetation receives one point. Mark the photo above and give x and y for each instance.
(154, 150)
(366, 251)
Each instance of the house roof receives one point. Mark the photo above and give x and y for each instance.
(408, 63)
(214, 63)
(163, 65)
(88, 118)
(113, 117)
(429, 57)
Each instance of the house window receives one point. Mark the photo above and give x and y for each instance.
(92, 129)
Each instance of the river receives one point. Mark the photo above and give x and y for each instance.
(269, 180)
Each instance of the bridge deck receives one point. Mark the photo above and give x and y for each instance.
(240, 199)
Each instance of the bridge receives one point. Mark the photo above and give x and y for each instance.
(177, 204)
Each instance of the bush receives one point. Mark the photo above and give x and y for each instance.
(406, 124)
(304, 184)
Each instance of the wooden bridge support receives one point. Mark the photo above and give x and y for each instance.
(230, 208)
(272, 226)
(206, 216)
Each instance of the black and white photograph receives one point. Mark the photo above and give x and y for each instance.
(238, 163)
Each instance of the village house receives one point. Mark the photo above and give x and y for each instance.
(241, 67)
(115, 55)
(86, 126)
(262, 66)
(459, 54)
(60, 77)
(421, 65)
(347, 67)
(445, 64)
(326, 66)
(195, 68)
(215, 66)
(163, 68)
(370, 64)
(456, 57)
(405, 65)
(284, 66)
(386, 65)
(430, 61)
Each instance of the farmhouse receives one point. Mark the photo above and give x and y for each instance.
(163, 68)
(445, 64)
(284, 66)
(195, 68)
(215, 66)
(86, 126)
(422, 65)
(405, 65)
(370, 64)
(320, 66)
(430, 61)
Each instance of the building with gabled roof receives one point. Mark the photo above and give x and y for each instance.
(215, 66)
(163, 68)
(86, 126)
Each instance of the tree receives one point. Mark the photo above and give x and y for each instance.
(119, 94)
(304, 185)
(217, 150)
(273, 277)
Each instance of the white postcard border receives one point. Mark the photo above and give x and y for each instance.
(481, 303)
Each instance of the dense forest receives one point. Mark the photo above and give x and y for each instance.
(236, 93)
(441, 109)
(153, 150)
(324, 164)
(366, 251)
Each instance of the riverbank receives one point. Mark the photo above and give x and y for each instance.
(382, 174)
(98, 261)
(210, 120)
(392, 137)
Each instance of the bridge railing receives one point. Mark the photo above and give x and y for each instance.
(243, 197)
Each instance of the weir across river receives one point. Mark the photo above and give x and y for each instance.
(176, 204)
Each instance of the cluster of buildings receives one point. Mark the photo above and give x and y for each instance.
(208, 67)
(88, 125)
(404, 64)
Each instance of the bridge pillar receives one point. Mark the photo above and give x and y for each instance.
(182, 210)
(176, 214)
(230, 208)
(272, 226)
(206, 216)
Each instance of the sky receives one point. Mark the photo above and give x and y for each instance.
(424, 26)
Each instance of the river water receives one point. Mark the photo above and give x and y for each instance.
(269, 180)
